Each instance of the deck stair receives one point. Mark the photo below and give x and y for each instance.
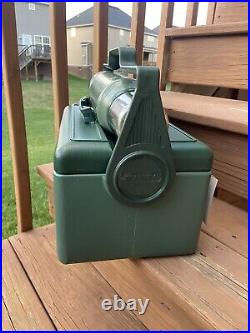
(32, 53)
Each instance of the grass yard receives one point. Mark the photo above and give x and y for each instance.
(38, 105)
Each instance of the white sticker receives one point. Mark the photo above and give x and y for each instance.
(211, 188)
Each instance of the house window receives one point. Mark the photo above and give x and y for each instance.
(151, 57)
(41, 40)
(121, 33)
(32, 6)
(86, 54)
(73, 32)
(150, 39)
(38, 40)
(145, 56)
(46, 40)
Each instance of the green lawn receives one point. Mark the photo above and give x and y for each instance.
(41, 144)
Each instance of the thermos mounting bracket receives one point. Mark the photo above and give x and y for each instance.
(141, 167)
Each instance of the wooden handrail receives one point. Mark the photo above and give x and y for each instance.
(192, 13)
(137, 29)
(100, 35)
(16, 121)
(208, 30)
(59, 60)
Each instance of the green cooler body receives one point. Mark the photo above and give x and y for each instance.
(127, 184)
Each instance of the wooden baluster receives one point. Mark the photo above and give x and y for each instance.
(137, 29)
(192, 13)
(100, 35)
(211, 12)
(59, 60)
(16, 120)
(164, 42)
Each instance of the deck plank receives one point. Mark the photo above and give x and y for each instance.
(22, 308)
(71, 294)
(226, 262)
(167, 310)
(204, 285)
(229, 225)
(46, 172)
(84, 286)
(203, 291)
(222, 113)
(6, 320)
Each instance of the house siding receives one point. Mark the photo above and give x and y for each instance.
(77, 35)
(32, 22)
(82, 34)
(115, 39)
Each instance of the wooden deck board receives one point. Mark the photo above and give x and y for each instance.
(166, 311)
(225, 261)
(46, 172)
(6, 320)
(83, 293)
(207, 290)
(204, 285)
(22, 309)
(229, 225)
(71, 294)
(226, 114)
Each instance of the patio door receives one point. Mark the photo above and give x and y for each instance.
(27, 41)
(42, 44)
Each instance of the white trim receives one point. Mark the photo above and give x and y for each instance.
(79, 25)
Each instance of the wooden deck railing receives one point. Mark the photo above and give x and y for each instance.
(13, 89)
(137, 29)
(192, 13)
(59, 60)
(12, 83)
(16, 122)
(100, 35)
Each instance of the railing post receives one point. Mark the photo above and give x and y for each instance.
(15, 115)
(137, 29)
(167, 12)
(59, 60)
(100, 35)
(192, 13)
